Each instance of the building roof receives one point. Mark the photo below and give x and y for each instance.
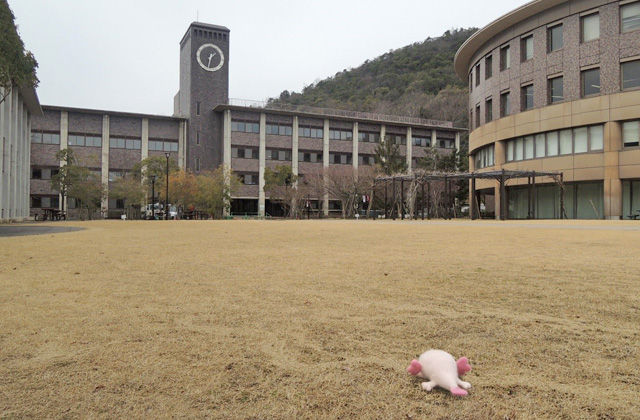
(339, 114)
(30, 98)
(102, 112)
(465, 53)
(203, 26)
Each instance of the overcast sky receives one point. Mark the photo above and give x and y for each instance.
(123, 55)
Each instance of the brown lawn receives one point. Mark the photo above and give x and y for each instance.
(308, 319)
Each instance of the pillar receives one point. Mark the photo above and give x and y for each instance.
(434, 138)
(409, 150)
(104, 206)
(261, 157)
(182, 145)
(354, 153)
(325, 164)
(458, 141)
(499, 157)
(226, 155)
(144, 135)
(612, 182)
(64, 143)
(294, 146)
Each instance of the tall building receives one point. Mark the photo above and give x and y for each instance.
(208, 130)
(555, 86)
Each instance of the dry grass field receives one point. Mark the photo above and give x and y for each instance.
(319, 319)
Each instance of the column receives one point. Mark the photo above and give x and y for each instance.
(612, 182)
(104, 206)
(27, 163)
(325, 164)
(13, 175)
(64, 144)
(261, 158)
(3, 146)
(409, 150)
(182, 145)
(294, 146)
(472, 190)
(383, 132)
(354, 157)
(434, 138)
(499, 159)
(226, 155)
(144, 151)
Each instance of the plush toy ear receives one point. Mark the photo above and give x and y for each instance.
(414, 368)
(463, 366)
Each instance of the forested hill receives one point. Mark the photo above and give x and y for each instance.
(416, 80)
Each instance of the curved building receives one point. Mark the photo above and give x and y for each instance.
(555, 86)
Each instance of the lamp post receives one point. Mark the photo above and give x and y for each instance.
(153, 197)
(166, 196)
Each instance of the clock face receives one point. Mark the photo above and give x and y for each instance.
(210, 57)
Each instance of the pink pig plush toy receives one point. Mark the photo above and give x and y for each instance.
(441, 369)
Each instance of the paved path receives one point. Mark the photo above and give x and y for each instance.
(34, 230)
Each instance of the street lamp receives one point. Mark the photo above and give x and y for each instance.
(153, 197)
(166, 196)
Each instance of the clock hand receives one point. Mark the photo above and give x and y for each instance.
(210, 57)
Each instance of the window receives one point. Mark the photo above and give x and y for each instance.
(279, 130)
(336, 134)
(552, 143)
(488, 110)
(540, 145)
(244, 153)
(84, 140)
(518, 153)
(36, 137)
(340, 158)
(488, 67)
(197, 108)
(590, 82)
(75, 140)
(471, 81)
(249, 179)
(484, 157)
(630, 74)
(36, 202)
(169, 146)
(505, 104)
(596, 137)
(446, 143)
(36, 173)
(565, 142)
(556, 90)
(120, 143)
(244, 127)
(311, 157)
(366, 160)
(630, 16)
(631, 133)
(50, 138)
(554, 38)
(510, 146)
(311, 132)
(198, 137)
(527, 97)
(477, 115)
(275, 154)
(477, 74)
(505, 58)
(580, 138)
(528, 147)
(590, 27)
(197, 164)
(398, 139)
(526, 45)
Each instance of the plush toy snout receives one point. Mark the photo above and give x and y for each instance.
(414, 368)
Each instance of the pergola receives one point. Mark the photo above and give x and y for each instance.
(423, 178)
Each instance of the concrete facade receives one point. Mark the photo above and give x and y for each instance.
(602, 159)
(16, 113)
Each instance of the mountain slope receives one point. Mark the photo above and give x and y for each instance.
(416, 80)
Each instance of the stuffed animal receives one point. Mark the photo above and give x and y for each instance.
(441, 369)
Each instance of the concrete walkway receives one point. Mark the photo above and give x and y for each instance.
(22, 230)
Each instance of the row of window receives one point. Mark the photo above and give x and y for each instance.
(42, 202)
(279, 130)
(120, 143)
(245, 127)
(45, 138)
(43, 173)
(631, 133)
(368, 137)
(275, 154)
(340, 158)
(85, 140)
(310, 132)
(554, 143)
(244, 152)
(590, 85)
(484, 157)
(164, 146)
(589, 31)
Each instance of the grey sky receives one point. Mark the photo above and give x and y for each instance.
(123, 55)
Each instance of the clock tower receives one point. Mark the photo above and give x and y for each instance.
(204, 83)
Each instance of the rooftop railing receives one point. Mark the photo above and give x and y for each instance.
(247, 103)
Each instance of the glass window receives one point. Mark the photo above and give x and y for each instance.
(50, 138)
(552, 143)
(556, 89)
(76, 140)
(590, 82)
(630, 74)
(36, 173)
(519, 152)
(590, 27)
(488, 67)
(630, 16)
(554, 38)
(527, 48)
(505, 58)
(36, 202)
(477, 74)
(528, 147)
(540, 144)
(631, 133)
(580, 136)
(566, 142)
(596, 137)
(488, 110)
(509, 156)
(505, 104)
(477, 115)
(527, 97)
(93, 141)
(36, 137)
